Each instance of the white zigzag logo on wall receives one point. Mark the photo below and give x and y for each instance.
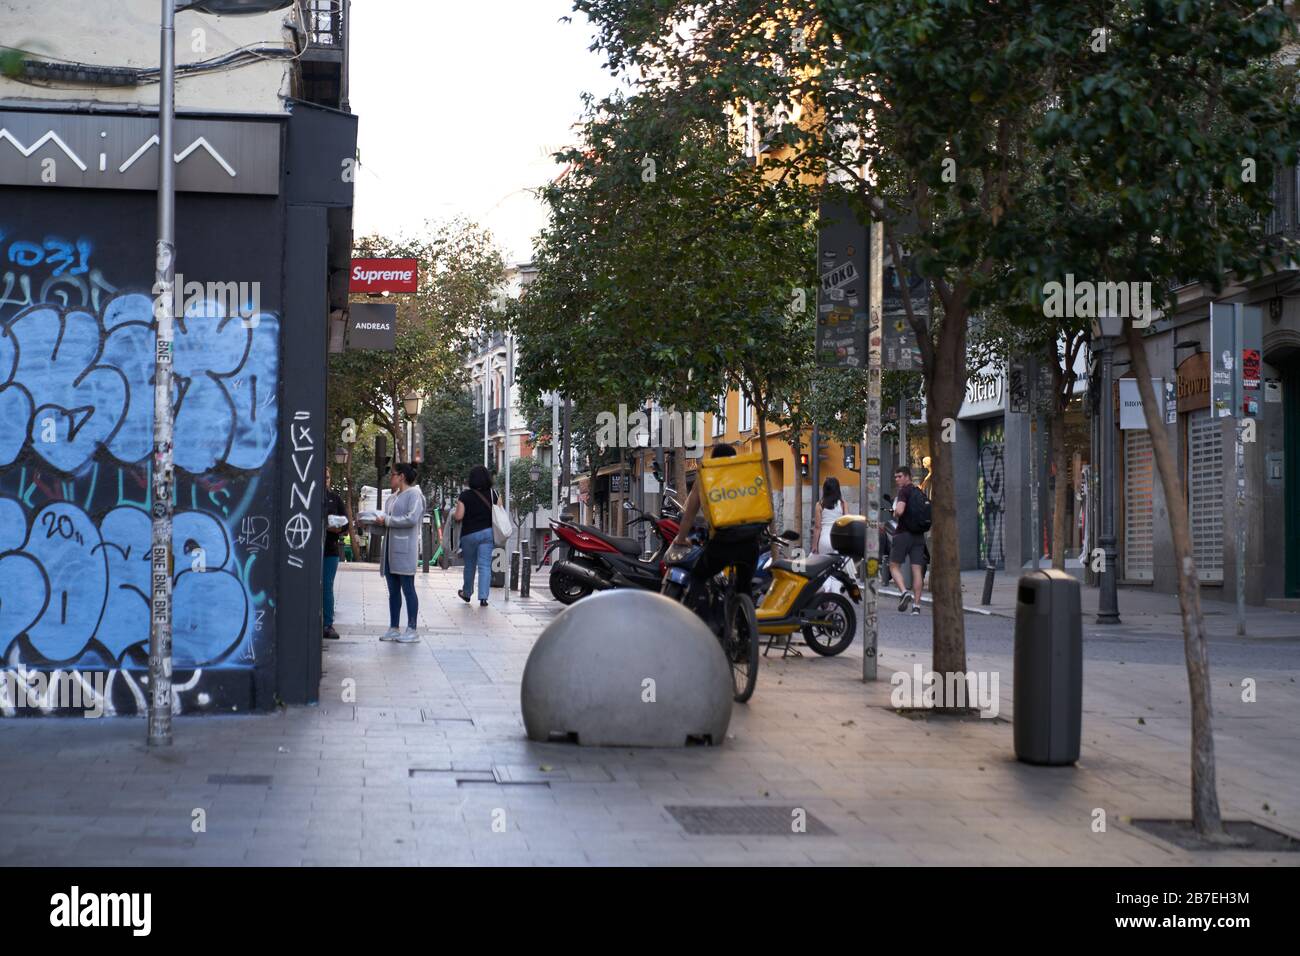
(148, 144)
(51, 135)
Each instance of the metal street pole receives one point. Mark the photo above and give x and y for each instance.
(160, 633)
(814, 473)
(509, 380)
(555, 458)
(1238, 414)
(869, 481)
(1033, 462)
(1108, 599)
(487, 372)
(904, 454)
(566, 479)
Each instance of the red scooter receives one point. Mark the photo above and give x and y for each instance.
(599, 562)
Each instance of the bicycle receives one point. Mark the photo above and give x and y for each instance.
(724, 607)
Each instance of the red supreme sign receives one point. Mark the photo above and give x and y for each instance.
(384, 275)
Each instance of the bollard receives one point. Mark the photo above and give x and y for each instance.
(514, 570)
(988, 585)
(526, 570)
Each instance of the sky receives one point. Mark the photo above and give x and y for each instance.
(461, 103)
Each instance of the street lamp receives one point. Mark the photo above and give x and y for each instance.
(159, 728)
(1106, 329)
(411, 404)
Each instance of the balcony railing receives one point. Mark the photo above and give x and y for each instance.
(325, 26)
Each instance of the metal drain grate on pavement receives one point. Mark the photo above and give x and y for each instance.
(243, 779)
(747, 820)
(493, 776)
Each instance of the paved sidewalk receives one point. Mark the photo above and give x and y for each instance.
(1141, 609)
(429, 765)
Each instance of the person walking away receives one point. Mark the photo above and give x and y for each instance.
(474, 512)
(829, 508)
(402, 518)
(908, 543)
(336, 509)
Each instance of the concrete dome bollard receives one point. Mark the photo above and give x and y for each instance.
(627, 668)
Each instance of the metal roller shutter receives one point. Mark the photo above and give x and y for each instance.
(1205, 494)
(1139, 493)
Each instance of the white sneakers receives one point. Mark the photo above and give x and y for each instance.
(410, 636)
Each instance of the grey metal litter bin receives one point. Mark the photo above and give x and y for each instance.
(1048, 668)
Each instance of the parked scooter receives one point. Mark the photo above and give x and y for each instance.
(598, 561)
(798, 599)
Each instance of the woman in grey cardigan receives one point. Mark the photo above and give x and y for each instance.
(403, 517)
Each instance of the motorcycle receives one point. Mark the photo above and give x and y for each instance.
(598, 561)
(808, 594)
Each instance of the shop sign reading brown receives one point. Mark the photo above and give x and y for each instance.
(1194, 383)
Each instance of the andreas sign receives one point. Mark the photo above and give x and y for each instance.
(385, 275)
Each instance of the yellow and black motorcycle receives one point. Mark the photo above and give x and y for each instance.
(795, 601)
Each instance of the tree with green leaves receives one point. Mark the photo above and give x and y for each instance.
(667, 270)
(1006, 145)
(453, 443)
(461, 274)
(1167, 142)
(526, 494)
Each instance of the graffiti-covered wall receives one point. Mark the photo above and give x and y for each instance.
(76, 414)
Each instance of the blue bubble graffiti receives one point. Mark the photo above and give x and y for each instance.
(76, 405)
(71, 383)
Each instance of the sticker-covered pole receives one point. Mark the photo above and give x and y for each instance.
(870, 477)
(164, 293)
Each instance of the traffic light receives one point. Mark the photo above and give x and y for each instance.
(803, 464)
(851, 457)
(382, 458)
(417, 443)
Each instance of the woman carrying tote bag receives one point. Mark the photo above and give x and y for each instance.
(478, 536)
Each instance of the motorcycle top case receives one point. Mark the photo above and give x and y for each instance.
(734, 491)
(849, 536)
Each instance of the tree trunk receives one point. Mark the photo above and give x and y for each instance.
(944, 393)
(1205, 798)
(677, 481)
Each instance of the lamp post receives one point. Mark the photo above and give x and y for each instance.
(164, 292)
(1106, 329)
(411, 404)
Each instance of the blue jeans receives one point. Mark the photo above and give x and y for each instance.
(398, 585)
(478, 549)
(329, 568)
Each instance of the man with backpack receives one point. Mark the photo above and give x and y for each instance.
(912, 509)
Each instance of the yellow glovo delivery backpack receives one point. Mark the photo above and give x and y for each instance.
(734, 491)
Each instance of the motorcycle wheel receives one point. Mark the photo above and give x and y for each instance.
(835, 636)
(671, 589)
(741, 646)
(567, 590)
